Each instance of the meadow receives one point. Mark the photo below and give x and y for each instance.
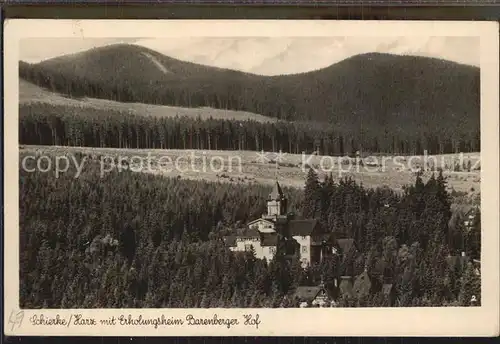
(32, 94)
(247, 167)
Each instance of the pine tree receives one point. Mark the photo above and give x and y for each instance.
(443, 197)
(311, 195)
(470, 286)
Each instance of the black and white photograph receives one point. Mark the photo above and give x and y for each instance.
(250, 172)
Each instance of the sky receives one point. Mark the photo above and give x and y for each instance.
(267, 55)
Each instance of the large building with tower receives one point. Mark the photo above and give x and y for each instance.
(279, 232)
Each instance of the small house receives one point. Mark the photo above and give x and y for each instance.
(312, 296)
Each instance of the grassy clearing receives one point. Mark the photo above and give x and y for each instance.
(247, 167)
(30, 93)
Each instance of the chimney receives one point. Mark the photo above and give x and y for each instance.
(463, 254)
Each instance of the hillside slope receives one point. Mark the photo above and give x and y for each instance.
(366, 93)
(31, 94)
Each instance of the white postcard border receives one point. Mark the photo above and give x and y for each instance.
(438, 321)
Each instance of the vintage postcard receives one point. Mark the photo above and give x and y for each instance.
(255, 178)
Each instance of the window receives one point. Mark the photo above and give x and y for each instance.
(248, 247)
(272, 249)
(304, 249)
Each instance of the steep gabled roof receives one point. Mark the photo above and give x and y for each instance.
(301, 227)
(276, 194)
(307, 294)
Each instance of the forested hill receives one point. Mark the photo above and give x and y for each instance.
(400, 94)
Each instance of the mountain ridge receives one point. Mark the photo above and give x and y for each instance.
(138, 48)
(364, 92)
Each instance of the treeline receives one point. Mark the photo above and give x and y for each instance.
(44, 124)
(377, 88)
(372, 95)
(138, 240)
(422, 214)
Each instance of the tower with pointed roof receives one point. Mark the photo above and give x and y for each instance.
(276, 203)
(279, 233)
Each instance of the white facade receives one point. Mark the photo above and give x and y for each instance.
(274, 208)
(242, 244)
(266, 228)
(247, 244)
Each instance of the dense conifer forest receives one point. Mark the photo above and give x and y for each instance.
(137, 240)
(45, 124)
